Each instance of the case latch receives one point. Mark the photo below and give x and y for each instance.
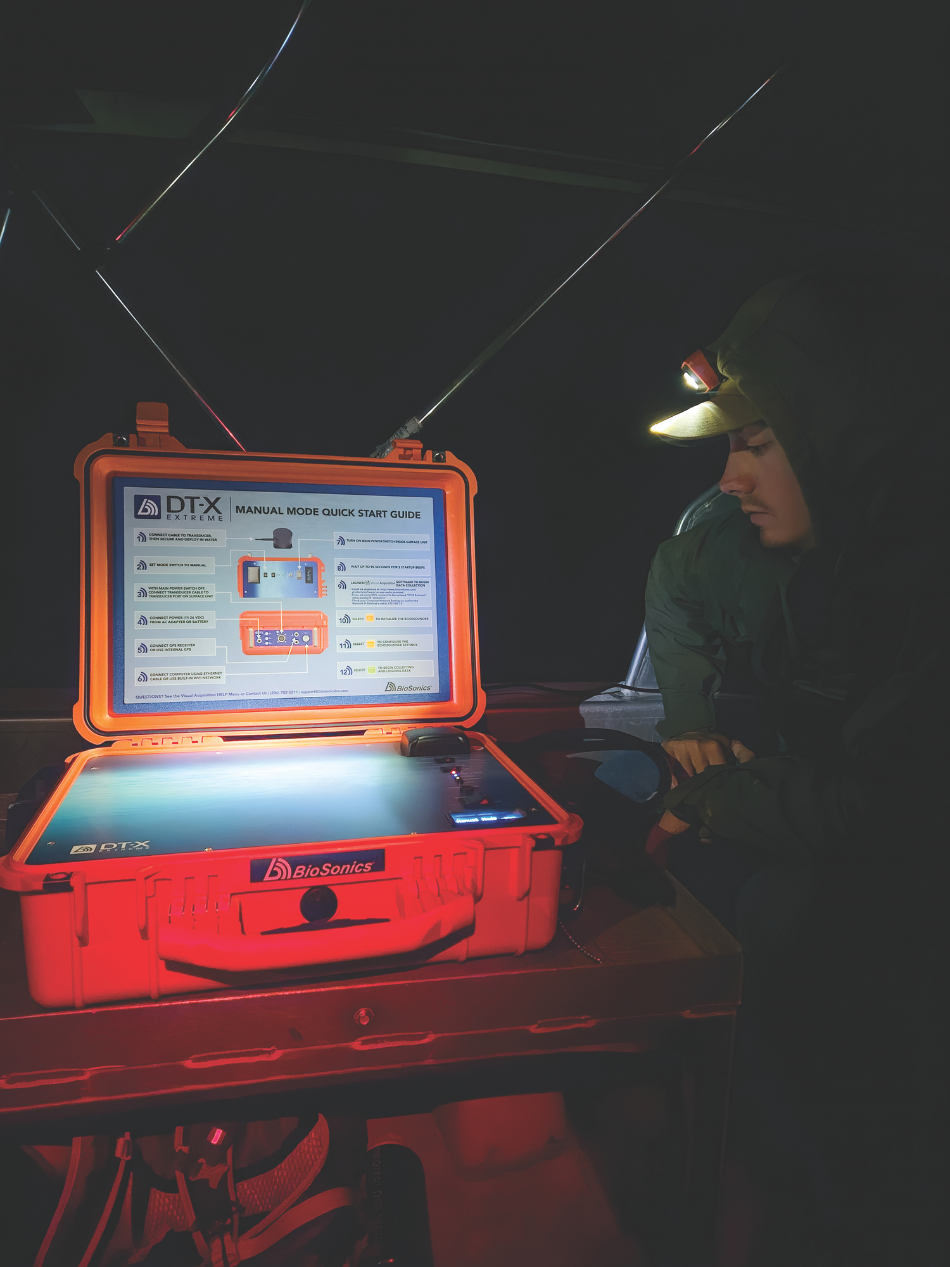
(151, 416)
(151, 427)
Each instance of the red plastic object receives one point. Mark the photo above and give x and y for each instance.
(137, 926)
(115, 921)
(222, 951)
(160, 457)
(698, 364)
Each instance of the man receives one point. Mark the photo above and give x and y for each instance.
(825, 587)
(821, 584)
(710, 590)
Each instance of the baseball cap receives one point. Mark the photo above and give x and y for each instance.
(728, 410)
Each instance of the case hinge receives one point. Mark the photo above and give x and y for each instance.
(169, 741)
(405, 451)
(394, 732)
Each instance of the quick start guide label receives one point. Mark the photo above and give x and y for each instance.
(317, 866)
(262, 573)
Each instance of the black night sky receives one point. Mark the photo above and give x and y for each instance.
(321, 290)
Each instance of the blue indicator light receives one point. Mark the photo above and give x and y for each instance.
(476, 817)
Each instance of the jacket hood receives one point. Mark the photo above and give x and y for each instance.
(828, 361)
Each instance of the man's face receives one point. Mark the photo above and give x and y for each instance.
(761, 476)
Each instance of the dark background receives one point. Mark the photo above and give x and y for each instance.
(321, 296)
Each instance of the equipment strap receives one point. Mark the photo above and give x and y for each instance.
(253, 1243)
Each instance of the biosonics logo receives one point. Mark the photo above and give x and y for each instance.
(391, 686)
(317, 866)
(279, 869)
(147, 506)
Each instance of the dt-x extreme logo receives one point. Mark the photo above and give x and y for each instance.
(109, 847)
(147, 506)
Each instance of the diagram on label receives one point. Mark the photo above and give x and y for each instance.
(263, 576)
(276, 633)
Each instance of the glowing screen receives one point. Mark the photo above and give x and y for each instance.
(232, 797)
(239, 596)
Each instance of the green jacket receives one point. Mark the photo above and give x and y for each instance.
(844, 376)
(708, 596)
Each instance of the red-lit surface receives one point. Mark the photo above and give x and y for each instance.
(509, 1184)
(662, 969)
(506, 1182)
(175, 923)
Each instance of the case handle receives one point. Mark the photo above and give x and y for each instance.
(235, 952)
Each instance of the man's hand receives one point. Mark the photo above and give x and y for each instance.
(670, 823)
(697, 749)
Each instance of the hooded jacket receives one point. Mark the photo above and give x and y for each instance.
(849, 640)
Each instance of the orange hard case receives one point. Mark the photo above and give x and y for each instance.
(167, 924)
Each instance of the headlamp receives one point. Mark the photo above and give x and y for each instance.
(699, 374)
(725, 409)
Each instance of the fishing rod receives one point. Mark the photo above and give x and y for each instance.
(415, 424)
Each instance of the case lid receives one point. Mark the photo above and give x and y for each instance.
(271, 593)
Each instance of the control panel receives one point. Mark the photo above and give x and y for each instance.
(276, 632)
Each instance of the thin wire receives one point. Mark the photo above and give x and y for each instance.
(3, 227)
(170, 361)
(556, 289)
(37, 194)
(415, 424)
(162, 351)
(249, 93)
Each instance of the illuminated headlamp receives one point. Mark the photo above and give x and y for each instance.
(699, 374)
